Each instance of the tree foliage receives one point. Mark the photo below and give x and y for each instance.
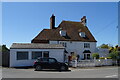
(114, 52)
(105, 46)
(95, 55)
(3, 48)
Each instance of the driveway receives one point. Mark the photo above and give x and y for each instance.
(105, 72)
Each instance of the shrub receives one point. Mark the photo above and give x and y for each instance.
(102, 58)
(104, 46)
(114, 55)
(108, 57)
(96, 55)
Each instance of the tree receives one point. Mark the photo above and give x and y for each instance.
(114, 55)
(104, 46)
(0, 48)
(3, 48)
(118, 49)
(95, 55)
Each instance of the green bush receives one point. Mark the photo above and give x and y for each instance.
(108, 57)
(96, 55)
(102, 58)
(105, 57)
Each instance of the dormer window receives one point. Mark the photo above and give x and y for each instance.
(62, 32)
(82, 34)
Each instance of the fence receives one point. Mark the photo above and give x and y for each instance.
(92, 63)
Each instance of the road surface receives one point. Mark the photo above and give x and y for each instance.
(109, 72)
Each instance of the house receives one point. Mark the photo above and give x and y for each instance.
(69, 38)
(74, 36)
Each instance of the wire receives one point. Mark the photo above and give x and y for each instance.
(107, 26)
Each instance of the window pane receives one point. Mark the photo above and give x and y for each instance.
(45, 54)
(52, 61)
(36, 54)
(22, 55)
(44, 60)
(86, 45)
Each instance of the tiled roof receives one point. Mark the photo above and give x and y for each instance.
(72, 29)
(35, 46)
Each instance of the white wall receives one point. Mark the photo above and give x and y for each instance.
(56, 53)
(77, 47)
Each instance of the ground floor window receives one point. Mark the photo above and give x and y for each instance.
(45, 54)
(36, 54)
(22, 55)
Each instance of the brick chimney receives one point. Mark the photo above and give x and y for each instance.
(84, 20)
(52, 22)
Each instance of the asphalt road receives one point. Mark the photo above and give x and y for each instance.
(109, 72)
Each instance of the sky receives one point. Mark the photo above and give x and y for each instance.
(59, 0)
(22, 21)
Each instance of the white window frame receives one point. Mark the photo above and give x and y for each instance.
(86, 45)
(33, 52)
(42, 53)
(22, 52)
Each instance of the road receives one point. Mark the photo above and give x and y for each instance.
(109, 72)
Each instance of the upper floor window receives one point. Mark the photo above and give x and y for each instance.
(86, 45)
(64, 44)
(82, 34)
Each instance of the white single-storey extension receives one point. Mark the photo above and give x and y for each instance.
(24, 54)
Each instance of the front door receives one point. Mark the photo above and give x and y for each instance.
(86, 56)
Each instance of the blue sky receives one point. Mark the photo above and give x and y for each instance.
(22, 21)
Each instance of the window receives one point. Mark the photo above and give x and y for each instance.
(44, 60)
(45, 54)
(22, 55)
(86, 45)
(36, 54)
(82, 34)
(52, 60)
(70, 41)
(64, 44)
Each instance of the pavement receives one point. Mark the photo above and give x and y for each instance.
(90, 72)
